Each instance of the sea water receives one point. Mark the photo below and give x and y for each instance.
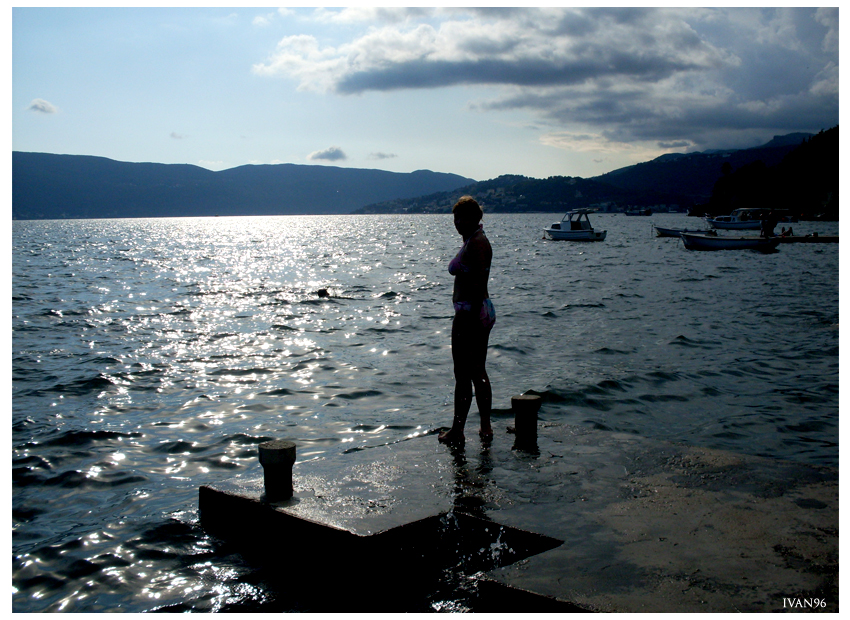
(151, 356)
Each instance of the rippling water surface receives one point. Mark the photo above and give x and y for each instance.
(152, 356)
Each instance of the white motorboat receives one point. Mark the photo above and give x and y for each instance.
(739, 219)
(575, 226)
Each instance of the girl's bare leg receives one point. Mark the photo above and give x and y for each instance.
(468, 352)
(463, 401)
(484, 400)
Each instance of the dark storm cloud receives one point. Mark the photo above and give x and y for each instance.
(530, 50)
(780, 83)
(671, 76)
(522, 72)
(530, 47)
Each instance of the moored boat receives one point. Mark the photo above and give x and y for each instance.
(739, 219)
(717, 242)
(575, 226)
(675, 232)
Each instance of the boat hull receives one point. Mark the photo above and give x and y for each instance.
(710, 242)
(676, 232)
(576, 235)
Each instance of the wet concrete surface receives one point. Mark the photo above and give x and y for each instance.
(590, 520)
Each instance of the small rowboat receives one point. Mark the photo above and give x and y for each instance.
(711, 242)
(676, 232)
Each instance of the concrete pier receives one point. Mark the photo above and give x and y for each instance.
(592, 521)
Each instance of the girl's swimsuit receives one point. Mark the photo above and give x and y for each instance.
(487, 315)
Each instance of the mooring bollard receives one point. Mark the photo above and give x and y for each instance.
(525, 409)
(277, 458)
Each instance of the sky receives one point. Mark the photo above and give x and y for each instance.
(477, 92)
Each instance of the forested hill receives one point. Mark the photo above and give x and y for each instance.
(694, 174)
(805, 182)
(676, 181)
(47, 186)
(797, 172)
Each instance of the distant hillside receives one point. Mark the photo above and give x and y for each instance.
(805, 182)
(47, 186)
(694, 174)
(671, 182)
(518, 194)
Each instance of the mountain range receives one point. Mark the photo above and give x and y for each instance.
(48, 186)
(675, 181)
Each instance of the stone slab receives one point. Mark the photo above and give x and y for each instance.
(655, 527)
(647, 526)
(366, 491)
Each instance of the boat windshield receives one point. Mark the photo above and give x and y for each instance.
(749, 213)
(579, 221)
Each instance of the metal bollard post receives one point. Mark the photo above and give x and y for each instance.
(525, 409)
(277, 458)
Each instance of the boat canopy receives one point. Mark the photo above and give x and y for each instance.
(578, 219)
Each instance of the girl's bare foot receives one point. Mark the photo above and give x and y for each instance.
(451, 436)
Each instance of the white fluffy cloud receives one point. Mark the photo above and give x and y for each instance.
(45, 107)
(263, 20)
(533, 48)
(663, 76)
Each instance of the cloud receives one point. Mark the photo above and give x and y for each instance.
(829, 17)
(535, 47)
(178, 136)
(660, 76)
(264, 20)
(382, 155)
(598, 144)
(362, 14)
(679, 144)
(45, 107)
(333, 153)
